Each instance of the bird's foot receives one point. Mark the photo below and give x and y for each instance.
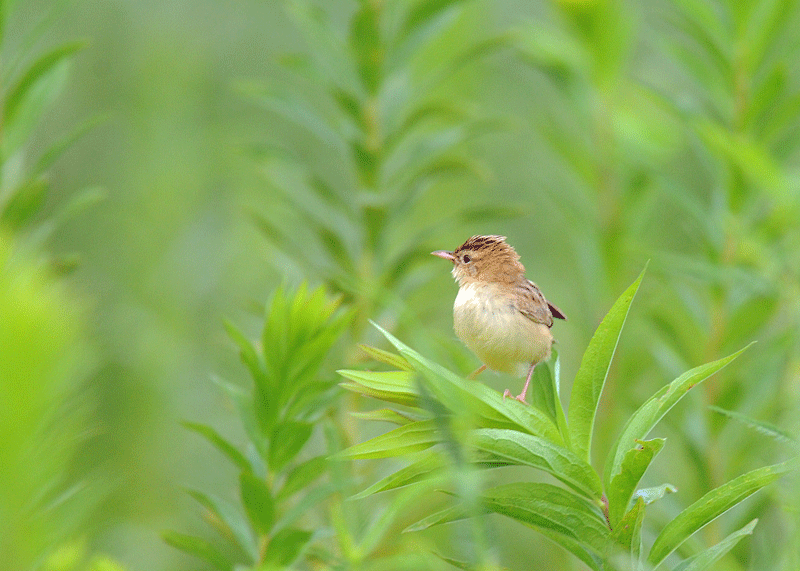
(477, 372)
(520, 398)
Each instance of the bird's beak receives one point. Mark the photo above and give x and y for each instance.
(444, 254)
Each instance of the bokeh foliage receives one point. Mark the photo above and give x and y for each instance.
(597, 135)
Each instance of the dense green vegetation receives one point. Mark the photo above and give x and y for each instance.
(274, 175)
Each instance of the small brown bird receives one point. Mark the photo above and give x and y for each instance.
(500, 314)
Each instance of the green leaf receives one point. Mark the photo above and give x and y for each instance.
(33, 92)
(258, 502)
(423, 13)
(655, 493)
(751, 156)
(545, 393)
(409, 498)
(460, 395)
(306, 502)
(405, 439)
(527, 450)
(427, 465)
(384, 415)
(765, 24)
(647, 416)
(382, 356)
(591, 376)
(705, 559)
(766, 428)
(199, 548)
(542, 391)
(365, 41)
(243, 402)
(287, 440)
(558, 514)
(227, 449)
(286, 545)
(628, 531)
(55, 150)
(458, 564)
(232, 522)
(547, 507)
(391, 386)
(250, 358)
(712, 505)
(24, 203)
(302, 476)
(326, 46)
(634, 465)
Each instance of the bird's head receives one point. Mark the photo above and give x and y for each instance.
(484, 259)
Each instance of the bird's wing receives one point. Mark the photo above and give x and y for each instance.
(532, 304)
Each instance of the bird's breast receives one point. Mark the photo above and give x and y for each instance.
(487, 320)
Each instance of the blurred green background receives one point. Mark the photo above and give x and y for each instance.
(596, 135)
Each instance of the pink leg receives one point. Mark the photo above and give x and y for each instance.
(477, 372)
(521, 396)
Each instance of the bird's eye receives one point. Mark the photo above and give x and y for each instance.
(466, 259)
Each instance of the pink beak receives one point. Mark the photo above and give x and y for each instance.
(444, 254)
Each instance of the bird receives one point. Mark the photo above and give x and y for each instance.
(499, 314)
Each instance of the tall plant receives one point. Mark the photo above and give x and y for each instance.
(292, 508)
(45, 356)
(30, 83)
(673, 126)
(597, 515)
(375, 121)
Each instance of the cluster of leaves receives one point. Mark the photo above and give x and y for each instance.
(29, 85)
(673, 127)
(595, 516)
(740, 113)
(373, 127)
(279, 412)
(44, 355)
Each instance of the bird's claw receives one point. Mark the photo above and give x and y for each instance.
(520, 398)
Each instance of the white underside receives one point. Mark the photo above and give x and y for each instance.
(502, 337)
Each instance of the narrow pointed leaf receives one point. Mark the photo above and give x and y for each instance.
(59, 147)
(628, 531)
(643, 420)
(258, 502)
(24, 203)
(761, 426)
(384, 415)
(427, 465)
(285, 547)
(391, 359)
(705, 559)
(591, 376)
(527, 450)
(459, 394)
(655, 493)
(221, 444)
(198, 547)
(234, 522)
(712, 505)
(302, 476)
(287, 440)
(634, 465)
(542, 391)
(405, 439)
(36, 73)
(550, 508)
(390, 386)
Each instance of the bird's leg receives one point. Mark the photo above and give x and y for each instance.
(477, 372)
(521, 397)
